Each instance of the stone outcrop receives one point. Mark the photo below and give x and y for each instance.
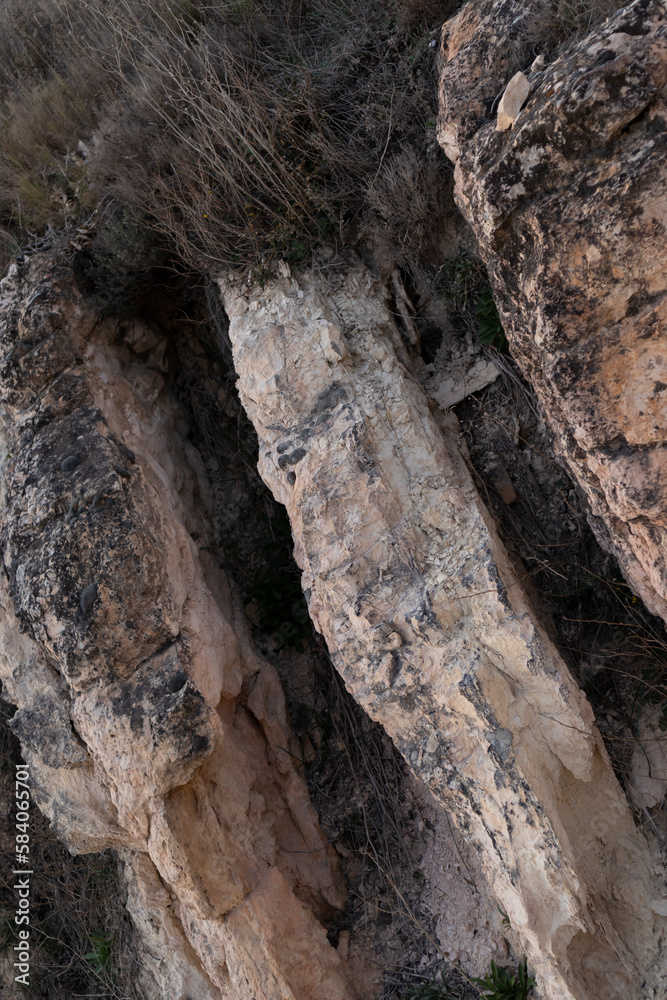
(569, 210)
(150, 722)
(426, 620)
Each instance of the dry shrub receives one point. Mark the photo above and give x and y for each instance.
(260, 151)
(224, 169)
(240, 132)
(52, 92)
(412, 216)
(431, 12)
(564, 22)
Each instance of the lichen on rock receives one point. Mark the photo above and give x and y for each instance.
(568, 208)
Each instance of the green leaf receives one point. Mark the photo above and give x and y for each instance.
(500, 985)
(489, 328)
(101, 954)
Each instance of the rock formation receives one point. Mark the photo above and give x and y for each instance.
(569, 210)
(426, 619)
(150, 722)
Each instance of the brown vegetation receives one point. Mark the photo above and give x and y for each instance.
(229, 134)
(568, 20)
(235, 134)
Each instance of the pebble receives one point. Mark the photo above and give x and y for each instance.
(88, 598)
(70, 463)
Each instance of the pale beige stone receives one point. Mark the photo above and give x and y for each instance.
(515, 96)
(450, 387)
(647, 780)
(395, 544)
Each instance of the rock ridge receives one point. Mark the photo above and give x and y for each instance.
(151, 723)
(426, 620)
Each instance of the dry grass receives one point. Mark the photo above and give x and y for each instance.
(431, 12)
(51, 96)
(412, 215)
(239, 132)
(571, 20)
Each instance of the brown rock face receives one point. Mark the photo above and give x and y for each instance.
(570, 209)
(150, 722)
(427, 621)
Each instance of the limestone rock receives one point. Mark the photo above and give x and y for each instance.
(45, 728)
(648, 768)
(150, 722)
(425, 617)
(514, 98)
(569, 211)
(169, 964)
(449, 388)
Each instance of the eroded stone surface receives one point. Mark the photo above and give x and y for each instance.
(427, 621)
(569, 209)
(150, 722)
(647, 781)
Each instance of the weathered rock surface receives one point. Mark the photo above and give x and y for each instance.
(150, 722)
(569, 210)
(648, 768)
(427, 621)
(481, 49)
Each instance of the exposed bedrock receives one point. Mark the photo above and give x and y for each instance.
(427, 621)
(569, 206)
(150, 722)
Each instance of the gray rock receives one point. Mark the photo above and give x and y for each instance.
(88, 598)
(45, 728)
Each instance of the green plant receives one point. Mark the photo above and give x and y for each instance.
(100, 955)
(489, 328)
(500, 985)
(434, 991)
(463, 283)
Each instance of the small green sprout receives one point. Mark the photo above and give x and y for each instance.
(489, 328)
